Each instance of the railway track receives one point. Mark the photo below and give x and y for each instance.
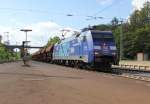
(137, 74)
(128, 72)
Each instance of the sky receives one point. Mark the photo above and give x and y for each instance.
(47, 18)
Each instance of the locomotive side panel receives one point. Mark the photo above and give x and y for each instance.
(75, 49)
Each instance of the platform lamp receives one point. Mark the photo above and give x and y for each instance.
(26, 41)
(26, 31)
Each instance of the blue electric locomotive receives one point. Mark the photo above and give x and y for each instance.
(89, 48)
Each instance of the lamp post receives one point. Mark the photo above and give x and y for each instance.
(25, 42)
(26, 31)
(25, 54)
(7, 36)
(121, 41)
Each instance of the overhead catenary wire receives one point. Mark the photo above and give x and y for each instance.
(55, 13)
(107, 7)
(42, 12)
(86, 17)
(95, 16)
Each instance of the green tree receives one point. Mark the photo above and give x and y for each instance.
(135, 19)
(145, 13)
(103, 27)
(142, 39)
(6, 54)
(115, 22)
(53, 40)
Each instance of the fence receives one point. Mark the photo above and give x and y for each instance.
(133, 67)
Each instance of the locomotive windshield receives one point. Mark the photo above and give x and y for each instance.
(102, 36)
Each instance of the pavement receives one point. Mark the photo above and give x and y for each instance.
(43, 83)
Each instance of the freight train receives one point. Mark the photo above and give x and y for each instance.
(87, 49)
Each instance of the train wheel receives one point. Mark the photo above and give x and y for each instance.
(107, 68)
(89, 67)
(71, 64)
(77, 64)
(104, 67)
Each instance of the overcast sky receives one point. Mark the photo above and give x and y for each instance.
(47, 17)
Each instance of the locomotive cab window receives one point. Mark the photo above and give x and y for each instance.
(102, 36)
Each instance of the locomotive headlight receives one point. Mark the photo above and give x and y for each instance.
(96, 53)
(114, 53)
(113, 48)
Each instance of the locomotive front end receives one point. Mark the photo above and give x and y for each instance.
(105, 51)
